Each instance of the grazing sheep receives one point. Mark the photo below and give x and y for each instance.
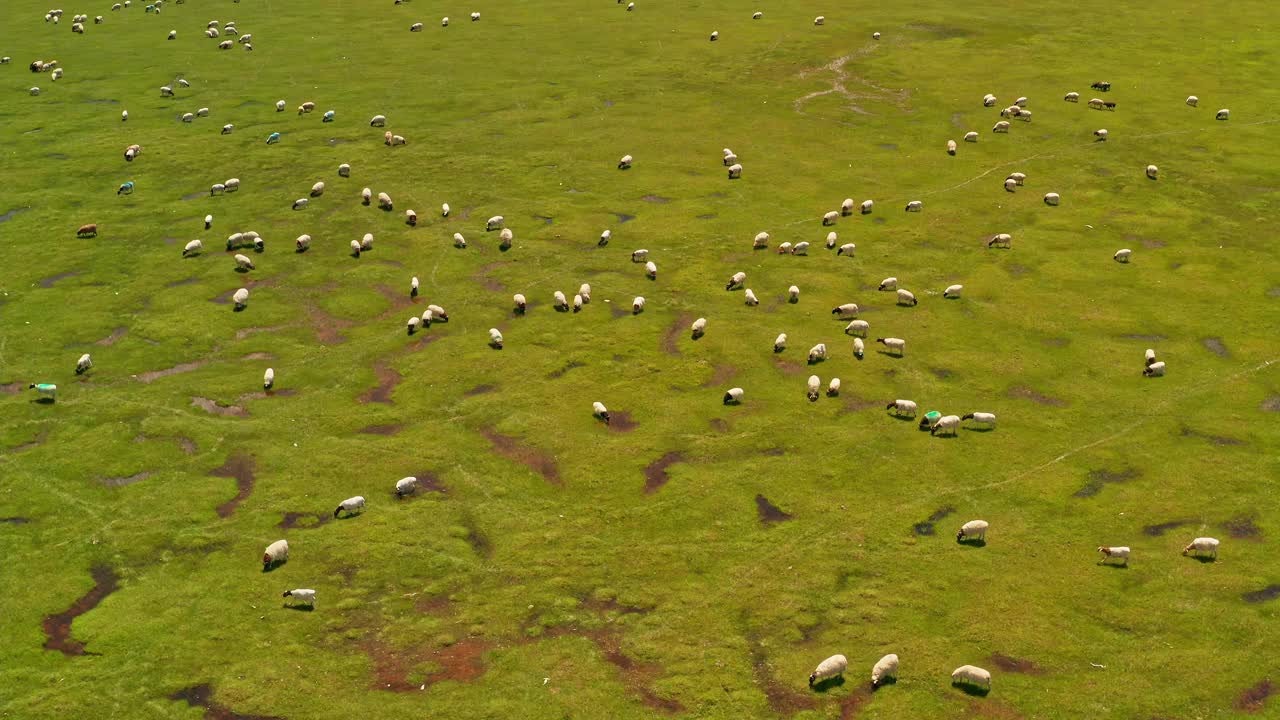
(829, 668)
(730, 159)
(885, 668)
(889, 283)
(905, 297)
(715, 34)
(268, 378)
(226, 44)
(89, 230)
(1155, 369)
(820, 20)
(750, 298)
(1052, 199)
(302, 243)
(273, 138)
(475, 16)
(830, 218)
(195, 247)
(846, 249)
(1020, 102)
(218, 189)
(317, 190)
(384, 201)
(800, 248)
(504, 238)
(846, 310)
(416, 27)
(1101, 135)
(832, 239)
(1097, 103)
(243, 263)
(1193, 101)
(494, 223)
(355, 249)
(945, 423)
(733, 396)
(495, 338)
(1223, 114)
(897, 344)
(914, 206)
(699, 328)
(444, 22)
(306, 107)
(625, 162)
(240, 298)
(988, 100)
(651, 270)
(974, 529)
(793, 294)
(784, 248)
(1000, 127)
(1118, 553)
(1153, 172)
(902, 407)
(1150, 357)
(735, 171)
(226, 129)
(736, 280)
(952, 291)
(637, 305)
(132, 152)
(166, 91)
(981, 418)
(833, 387)
(1011, 185)
(859, 349)
(1004, 239)
(761, 241)
(1202, 545)
(297, 204)
(1072, 97)
(866, 207)
(604, 238)
(376, 121)
(232, 184)
(857, 328)
(585, 291)
(83, 364)
(1122, 255)
(639, 255)
(560, 302)
(394, 140)
(406, 486)
(598, 410)
(428, 317)
(1101, 85)
(631, 6)
(410, 218)
(757, 15)
(520, 303)
(951, 147)
(366, 195)
(780, 343)
(846, 207)
(276, 553)
(811, 388)
(439, 313)
(972, 675)
(1018, 177)
(577, 303)
(817, 353)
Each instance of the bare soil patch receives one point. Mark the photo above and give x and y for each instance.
(1271, 404)
(1015, 665)
(1162, 528)
(15, 520)
(1022, 392)
(1253, 699)
(1243, 528)
(388, 378)
(218, 408)
(1097, 479)
(770, 513)
(1270, 592)
(153, 375)
(57, 627)
(1215, 439)
(462, 661)
(478, 540)
(673, 333)
(655, 473)
(560, 373)
(113, 338)
(202, 696)
(304, 520)
(721, 375)
(656, 199)
(532, 458)
(241, 467)
(1216, 346)
(621, 422)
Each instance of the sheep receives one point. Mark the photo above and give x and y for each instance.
(444, 209)
(83, 364)
(56, 74)
(604, 238)
(699, 328)
(651, 270)
(951, 147)
(914, 206)
(735, 171)
(317, 190)
(577, 303)
(905, 297)
(1000, 127)
(560, 302)
(1101, 135)
(1052, 199)
(640, 255)
(1122, 255)
(226, 129)
(757, 15)
(1193, 101)
(495, 338)
(972, 675)
(1101, 85)
(306, 107)
(817, 353)
(730, 159)
(846, 249)
(637, 305)
(243, 263)
(1096, 103)
(240, 298)
(394, 140)
(902, 407)
(232, 184)
(585, 291)
(439, 313)
(1223, 114)
(1150, 357)
(302, 243)
(829, 668)
(195, 247)
(1011, 111)
(276, 553)
(1153, 172)
(897, 344)
(406, 486)
(297, 204)
(1202, 545)
(945, 423)
(846, 207)
(784, 248)
(1020, 102)
(166, 91)
(830, 218)
(366, 195)
(1018, 177)
(866, 207)
(952, 292)
(598, 410)
(444, 22)
(749, 298)
(715, 34)
(780, 343)
(355, 249)
(428, 317)
(217, 189)
(268, 378)
(631, 6)
(885, 668)
(280, 105)
(857, 328)
(1010, 185)
(889, 283)
(733, 396)
(859, 349)
(760, 241)
(833, 387)
(820, 20)
(416, 27)
(132, 152)
(494, 223)
(475, 16)
(384, 202)
(90, 230)
(376, 121)
(988, 100)
(832, 239)
(800, 248)
(366, 242)
(846, 310)
(226, 44)
(306, 595)
(505, 237)
(1004, 239)
(1072, 97)
(974, 529)
(811, 388)
(736, 280)
(981, 418)
(410, 218)
(793, 294)
(273, 138)
(1119, 553)
(624, 163)
(77, 28)
(1155, 369)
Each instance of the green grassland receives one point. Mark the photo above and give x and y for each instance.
(536, 577)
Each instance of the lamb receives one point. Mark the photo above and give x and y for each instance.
(829, 668)
(1119, 553)
(974, 529)
(832, 239)
(89, 230)
(1072, 97)
(624, 163)
(1192, 100)
(637, 305)
(600, 411)
(444, 210)
(1223, 114)
(761, 241)
(885, 668)
(1004, 239)
(561, 303)
(866, 207)
(780, 343)
(699, 328)
(952, 292)
(1052, 199)
(195, 247)
(276, 553)
(269, 379)
(951, 147)
(749, 298)
(406, 486)
(1150, 357)
(304, 595)
(896, 344)
(459, 241)
(905, 297)
(972, 675)
(243, 263)
(857, 328)
(846, 249)
(858, 348)
(1155, 369)
(83, 364)
(800, 248)
(494, 223)
(830, 218)
(811, 388)
(971, 136)
(495, 338)
(902, 407)
(793, 294)
(1000, 127)
(817, 353)
(889, 283)
(1202, 545)
(914, 206)
(833, 387)
(846, 207)
(298, 204)
(384, 201)
(846, 310)
(735, 171)
(981, 418)
(317, 190)
(240, 298)
(736, 280)
(366, 195)
(651, 270)
(945, 423)
(733, 396)
(585, 291)
(1101, 134)
(1122, 255)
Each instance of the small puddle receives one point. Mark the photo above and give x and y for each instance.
(479, 390)
(623, 217)
(927, 528)
(573, 364)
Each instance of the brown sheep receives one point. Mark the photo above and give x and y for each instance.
(90, 230)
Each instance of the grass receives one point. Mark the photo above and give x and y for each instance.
(536, 577)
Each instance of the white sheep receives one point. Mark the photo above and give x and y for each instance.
(195, 247)
(241, 298)
(1018, 177)
(428, 317)
(280, 106)
(1101, 134)
(1153, 172)
(952, 291)
(847, 310)
(833, 387)
(269, 379)
(859, 349)
(505, 237)
(951, 147)
(793, 294)
(972, 675)
(1004, 239)
(757, 15)
(384, 201)
(846, 249)
(36, 91)
(914, 206)
(733, 396)
(857, 328)
(889, 283)
(416, 27)
(439, 313)
(355, 248)
(971, 136)
(83, 364)
(1010, 185)
(228, 128)
(444, 210)
(520, 302)
(411, 325)
(988, 100)
(1072, 97)
(351, 505)
(811, 388)
(475, 16)
(598, 410)
(637, 305)
(577, 303)
(638, 256)
(714, 35)
(902, 407)
(317, 190)
(885, 668)
(411, 218)
(624, 163)
(830, 218)
(1150, 357)
(1202, 545)
(217, 189)
(1122, 255)
(760, 241)
(232, 184)
(974, 529)
(297, 204)
(1114, 553)
(699, 328)
(406, 486)
(494, 223)
(829, 668)
(651, 270)
(495, 338)
(981, 418)
(896, 344)
(817, 353)
(946, 423)
(750, 298)
(1223, 114)
(784, 248)
(560, 302)
(780, 342)
(585, 291)
(832, 239)
(800, 248)
(820, 20)
(302, 595)
(1192, 100)
(736, 280)
(730, 159)
(1000, 127)
(846, 207)
(1097, 103)
(459, 241)
(906, 297)
(866, 207)
(277, 552)
(1052, 199)
(735, 171)
(1155, 369)
(243, 262)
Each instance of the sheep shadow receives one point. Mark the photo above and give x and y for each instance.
(827, 683)
(238, 308)
(43, 401)
(972, 543)
(299, 607)
(504, 248)
(242, 270)
(348, 517)
(793, 301)
(903, 418)
(944, 436)
(1204, 558)
(972, 690)
(268, 568)
(562, 308)
(893, 355)
(977, 429)
(495, 346)
(891, 680)
(1115, 566)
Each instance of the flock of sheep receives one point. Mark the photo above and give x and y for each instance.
(278, 552)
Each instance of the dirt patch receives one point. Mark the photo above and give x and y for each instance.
(57, 627)
(479, 542)
(941, 373)
(774, 452)
(708, 216)
(532, 458)
(854, 700)
(1242, 528)
(1015, 665)
(53, 279)
(1162, 528)
(622, 422)
(240, 467)
(7, 216)
(1145, 338)
(784, 698)
(1252, 700)
(479, 390)
(927, 528)
(303, 520)
(430, 482)
(673, 333)
(1022, 392)
(1099, 478)
(560, 373)
(1270, 592)
(721, 375)
(1271, 404)
(388, 378)
(655, 473)
(788, 367)
(1215, 439)
(15, 520)
(328, 329)
(656, 199)
(462, 661)
(770, 513)
(216, 408)
(636, 676)
(153, 375)
(623, 217)
(113, 338)
(202, 696)
(1216, 346)
(719, 425)
(123, 481)
(186, 445)
(390, 429)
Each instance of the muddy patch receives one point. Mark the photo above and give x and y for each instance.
(719, 425)
(573, 364)
(202, 696)
(622, 422)
(1243, 528)
(1271, 404)
(304, 520)
(673, 333)
(1252, 700)
(7, 216)
(123, 481)
(532, 458)
(656, 199)
(389, 429)
(428, 481)
(57, 628)
(1023, 392)
(1144, 338)
(15, 520)
(789, 367)
(240, 467)
(769, 513)
(462, 662)
(388, 378)
(217, 408)
(707, 216)
(328, 329)
(480, 543)
(153, 375)
(941, 373)
(1216, 346)
(720, 376)
(1266, 594)
(1215, 439)
(480, 390)
(655, 473)
(623, 217)
(1164, 527)
(1098, 479)
(774, 452)
(927, 528)
(785, 699)
(113, 338)
(54, 279)
(1016, 665)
